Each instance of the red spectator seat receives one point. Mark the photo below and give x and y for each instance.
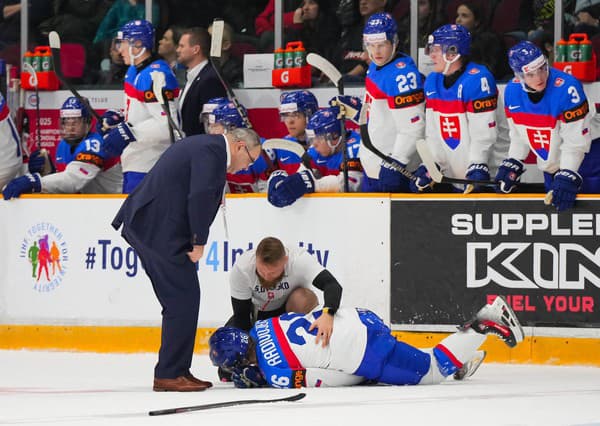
(72, 60)
(506, 16)
(239, 49)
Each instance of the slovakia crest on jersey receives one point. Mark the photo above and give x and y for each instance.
(450, 129)
(539, 140)
(400, 65)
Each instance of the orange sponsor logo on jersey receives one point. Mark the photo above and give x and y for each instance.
(86, 157)
(576, 113)
(487, 104)
(299, 378)
(403, 101)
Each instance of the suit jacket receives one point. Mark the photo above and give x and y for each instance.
(176, 202)
(205, 86)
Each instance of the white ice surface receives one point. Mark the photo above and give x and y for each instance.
(64, 388)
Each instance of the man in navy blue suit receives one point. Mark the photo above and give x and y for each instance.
(166, 219)
(202, 80)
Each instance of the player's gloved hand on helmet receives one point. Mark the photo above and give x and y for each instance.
(117, 139)
(248, 377)
(509, 175)
(423, 181)
(476, 171)
(109, 120)
(284, 190)
(22, 185)
(565, 186)
(350, 106)
(40, 160)
(391, 180)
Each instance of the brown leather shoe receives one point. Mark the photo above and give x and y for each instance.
(180, 384)
(200, 382)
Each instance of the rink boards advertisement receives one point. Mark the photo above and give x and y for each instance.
(63, 263)
(449, 258)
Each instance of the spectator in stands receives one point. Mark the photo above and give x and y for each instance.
(231, 66)
(320, 30)
(587, 14)
(353, 60)
(167, 49)
(486, 47)
(113, 70)
(121, 12)
(265, 23)
(430, 16)
(10, 26)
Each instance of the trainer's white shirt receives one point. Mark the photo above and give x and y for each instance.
(300, 271)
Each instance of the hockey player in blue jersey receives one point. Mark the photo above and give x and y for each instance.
(548, 114)
(462, 115)
(281, 352)
(394, 92)
(325, 174)
(295, 109)
(81, 163)
(144, 135)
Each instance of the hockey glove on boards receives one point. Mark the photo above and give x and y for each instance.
(423, 181)
(350, 106)
(284, 190)
(110, 119)
(248, 377)
(40, 162)
(509, 175)
(565, 186)
(22, 185)
(117, 139)
(476, 171)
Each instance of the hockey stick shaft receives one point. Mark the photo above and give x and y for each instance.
(292, 398)
(54, 40)
(366, 141)
(215, 58)
(335, 76)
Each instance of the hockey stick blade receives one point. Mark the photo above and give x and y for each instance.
(158, 84)
(437, 176)
(54, 41)
(366, 141)
(292, 398)
(216, 44)
(325, 67)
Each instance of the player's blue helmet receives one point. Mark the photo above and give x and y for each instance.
(72, 107)
(228, 116)
(380, 27)
(138, 30)
(212, 104)
(452, 38)
(298, 101)
(525, 57)
(324, 122)
(228, 347)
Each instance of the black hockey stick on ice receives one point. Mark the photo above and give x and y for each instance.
(335, 76)
(292, 398)
(54, 41)
(33, 81)
(216, 43)
(366, 141)
(158, 87)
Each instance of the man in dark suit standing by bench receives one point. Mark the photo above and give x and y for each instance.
(166, 220)
(202, 80)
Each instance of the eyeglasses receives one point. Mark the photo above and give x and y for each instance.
(252, 160)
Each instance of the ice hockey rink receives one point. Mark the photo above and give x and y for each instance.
(76, 388)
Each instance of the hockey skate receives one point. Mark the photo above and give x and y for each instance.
(470, 367)
(499, 319)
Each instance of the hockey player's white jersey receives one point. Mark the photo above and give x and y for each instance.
(463, 121)
(11, 159)
(146, 117)
(397, 112)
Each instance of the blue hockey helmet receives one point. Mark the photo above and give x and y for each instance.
(213, 103)
(298, 101)
(325, 125)
(525, 57)
(72, 107)
(138, 30)
(380, 27)
(452, 38)
(228, 347)
(228, 116)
